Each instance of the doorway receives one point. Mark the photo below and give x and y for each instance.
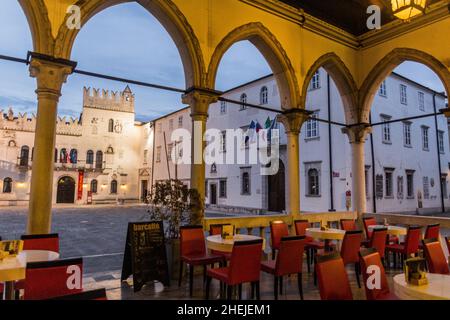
(276, 190)
(144, 190)
(213, 193)
(66, 190)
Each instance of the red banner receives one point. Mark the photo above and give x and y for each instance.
(80, 184)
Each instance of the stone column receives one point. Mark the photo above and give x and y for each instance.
(357, 137)
(199, 100)
(293, 121)
(50, 74)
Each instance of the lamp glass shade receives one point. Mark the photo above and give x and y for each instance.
(406, 9)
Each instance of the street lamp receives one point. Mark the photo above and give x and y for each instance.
(406, 9)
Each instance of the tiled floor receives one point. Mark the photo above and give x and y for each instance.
(117, 290)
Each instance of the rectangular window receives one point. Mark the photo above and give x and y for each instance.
(160, 127)
(410, 184)
(426, 188)
(245, 182)
(180, 121)
(441, 141)
(386, 128)
(425, 145)
(223, 141)
(145, 156)
(223, 107)
(158, 154)
(366, 177)
(444, 186)
(169, 151)
(312, 127)
(171, 124)
(383, 91)
(407, 134)
(388, 176)
(315, 81)
(222, 188)
(421, 101)
(403, 94)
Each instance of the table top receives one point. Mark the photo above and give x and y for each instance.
(226, 245)
(329, 234)
(13, 268)
(393, 230)
(438, 288)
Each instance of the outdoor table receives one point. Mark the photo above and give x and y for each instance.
(13, 268)
(392, 230)
(438, 288)
(327, 235)
(226, 245)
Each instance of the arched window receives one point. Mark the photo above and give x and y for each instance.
(263, 95)
(56, 155)
(63, 155)
(243, 100)
(90, 157)
(111, 125)
(313, 182)
(73, 156)
(24, 155)
(94, 184)
(113, 186)
(99, 160)
(7, 185)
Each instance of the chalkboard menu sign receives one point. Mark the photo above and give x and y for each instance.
(145, 254)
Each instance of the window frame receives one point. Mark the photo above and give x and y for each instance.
(403, 94)
(264, 95)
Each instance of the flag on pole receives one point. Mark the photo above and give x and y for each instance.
(250, 131)
(268, 123)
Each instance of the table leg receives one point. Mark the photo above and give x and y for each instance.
(9, 293)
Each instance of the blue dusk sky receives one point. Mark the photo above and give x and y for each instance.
(128, 42)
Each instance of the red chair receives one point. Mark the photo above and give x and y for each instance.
(311, 246)
(447, 241)
(289, 261)
(49, 279)
(409, 247)
(193, 252)
(97, 294)
(278, 229)
(348, 224)
(370, 258)
(367, 222)
(245, 266)
(435, 256)
(431, 232)
(378, 241)
(216, 229)
(332, 277)
(350, 250)
(41, 242)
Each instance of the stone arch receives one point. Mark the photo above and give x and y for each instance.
(167, 14)
(386, 65)
(272, 51)
(343, 79)
(39, 24)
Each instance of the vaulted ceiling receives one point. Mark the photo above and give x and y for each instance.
(349, 15)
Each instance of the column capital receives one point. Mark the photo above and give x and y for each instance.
(293, 119)
(50, 73)
(199, 100)
(357, 133)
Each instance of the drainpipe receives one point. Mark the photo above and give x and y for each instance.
(372, 153)
(329, 145)
(438, 153)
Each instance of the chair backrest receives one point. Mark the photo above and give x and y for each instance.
(332, 278)
(447, 241)
(216, 229)
(435, 256)
(367, 222)
(290, 256)
(412, 239)
(371, 258)
(278, 229)
(378, 240)
(41, 242)
(432, 231)
(301, 226)
(97, 294)
(192, 241)
(348, 224)
(53, 278)
(350, 246)
(245, 262)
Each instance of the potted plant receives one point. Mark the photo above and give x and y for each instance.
(172, 202)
